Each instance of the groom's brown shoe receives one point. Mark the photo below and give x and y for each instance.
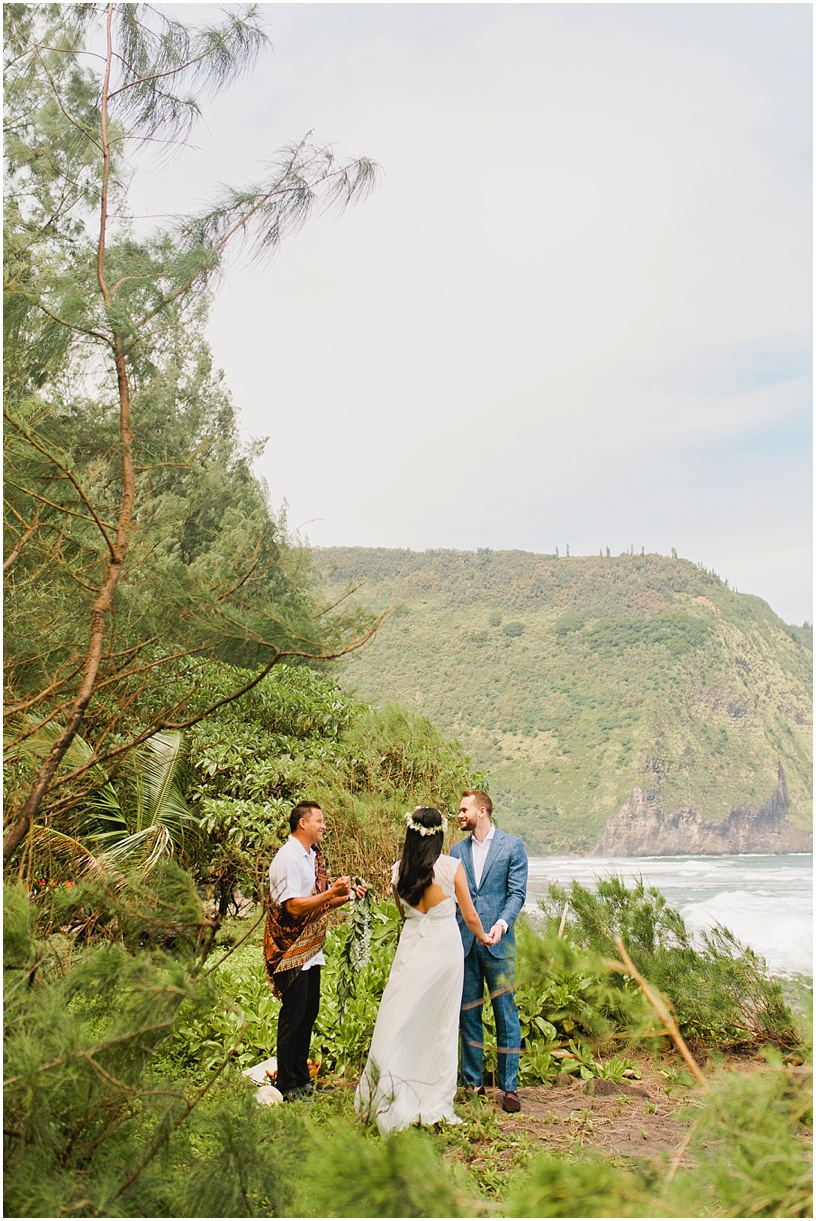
(511, 1102)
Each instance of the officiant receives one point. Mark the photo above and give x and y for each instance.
(300, 899)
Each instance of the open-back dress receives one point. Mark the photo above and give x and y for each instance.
(410, 1075)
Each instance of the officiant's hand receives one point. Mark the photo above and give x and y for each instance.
(339, 892)
(362, 890)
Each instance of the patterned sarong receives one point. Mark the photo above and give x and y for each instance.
(290, 941)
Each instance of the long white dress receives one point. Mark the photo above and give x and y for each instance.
(410, 1074)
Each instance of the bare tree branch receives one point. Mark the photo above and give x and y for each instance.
(30, 531)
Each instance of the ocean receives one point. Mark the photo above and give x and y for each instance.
(765, 901)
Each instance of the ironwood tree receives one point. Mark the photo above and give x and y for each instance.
(136, 535)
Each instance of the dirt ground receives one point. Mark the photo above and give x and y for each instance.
(636, 1119)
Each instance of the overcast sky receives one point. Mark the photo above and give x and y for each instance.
(577, 308)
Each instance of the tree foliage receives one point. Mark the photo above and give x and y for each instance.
(136, 534)
(218, 796)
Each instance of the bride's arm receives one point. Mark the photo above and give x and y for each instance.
(400, 908)
(394, 880)
(469, 913)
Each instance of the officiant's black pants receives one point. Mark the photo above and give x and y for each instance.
(299, 1006)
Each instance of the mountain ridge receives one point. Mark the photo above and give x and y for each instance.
(576, 680)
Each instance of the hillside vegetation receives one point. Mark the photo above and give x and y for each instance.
(575, 679)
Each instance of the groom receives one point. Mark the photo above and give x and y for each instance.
(495, 865)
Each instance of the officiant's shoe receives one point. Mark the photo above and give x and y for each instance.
(298, 1095)
(466, 1092)
(511, 1102)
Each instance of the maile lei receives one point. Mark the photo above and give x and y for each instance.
(356, 949)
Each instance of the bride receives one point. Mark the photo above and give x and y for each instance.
(410, 1075)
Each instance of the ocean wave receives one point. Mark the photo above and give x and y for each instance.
(781, 933)
(766, 902)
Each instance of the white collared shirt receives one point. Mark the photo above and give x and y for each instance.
(292, 876)
(480, 851)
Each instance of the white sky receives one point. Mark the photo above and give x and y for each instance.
(576, 309)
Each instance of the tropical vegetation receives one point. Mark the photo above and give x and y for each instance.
(137, 537)
(125, 1097)
(574, 680)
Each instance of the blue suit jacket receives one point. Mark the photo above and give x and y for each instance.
(501, 893)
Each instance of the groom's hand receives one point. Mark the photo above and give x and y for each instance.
(496, 932)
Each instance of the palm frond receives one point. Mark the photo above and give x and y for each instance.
(30, 741)
(65, 852)
(156, 826)
(142, 849)
(161, 768)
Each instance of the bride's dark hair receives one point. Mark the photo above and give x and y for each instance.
(419, 855)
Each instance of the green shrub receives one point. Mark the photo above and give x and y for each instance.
(752, 1142)
(677, 631)
(719, 989)
(76, 1047)
(570, 621)
(569, 986)
(555, 1187)
(104, 1115)
(351, 1173)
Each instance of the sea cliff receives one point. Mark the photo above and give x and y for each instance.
(642, 827)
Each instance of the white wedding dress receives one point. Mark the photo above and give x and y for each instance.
(410, 1074)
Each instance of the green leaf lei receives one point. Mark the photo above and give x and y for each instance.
(356, 949)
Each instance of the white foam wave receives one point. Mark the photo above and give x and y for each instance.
(781, 933)
(695, 867)
(766, 902)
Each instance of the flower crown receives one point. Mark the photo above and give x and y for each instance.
(413, 825)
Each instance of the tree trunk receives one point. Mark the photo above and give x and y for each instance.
(22, 820)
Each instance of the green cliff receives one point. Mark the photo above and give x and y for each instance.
(578, 680)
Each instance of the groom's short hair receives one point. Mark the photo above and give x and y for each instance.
(482, 798)
(301, 810)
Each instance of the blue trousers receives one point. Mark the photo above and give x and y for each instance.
(482, 967)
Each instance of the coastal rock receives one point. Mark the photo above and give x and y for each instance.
(642, 827)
